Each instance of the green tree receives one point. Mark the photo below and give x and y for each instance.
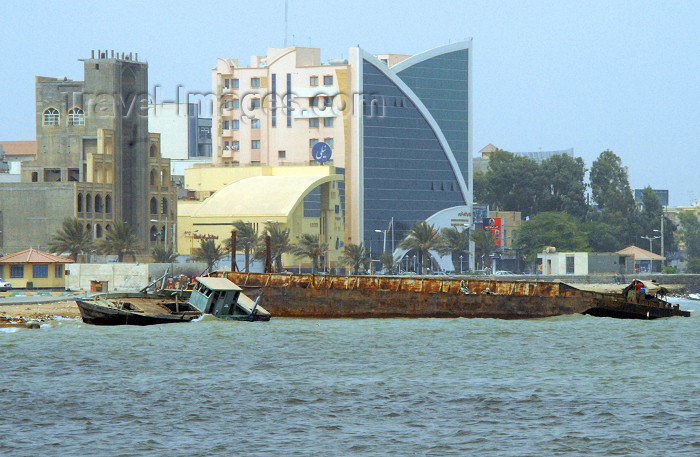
(484, 244)
(246, 238)
(454, 242)
(72, 237)
(610, 184)
(312, 247)
(602, 236)
(561, 179)
(355, 257)
(209, 252)
(390, 264)
(119, 240)
(279, 243)
(690, 233)
(560, 230)
(162, 254)
(422, 237)
(511, 183)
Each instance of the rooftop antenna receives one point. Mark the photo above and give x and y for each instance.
(286, 2)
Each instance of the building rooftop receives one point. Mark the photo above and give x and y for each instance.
(34, 256)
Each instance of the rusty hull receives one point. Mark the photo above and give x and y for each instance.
(327, 296)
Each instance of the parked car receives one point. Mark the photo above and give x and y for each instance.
(503, 273)
(4, 286)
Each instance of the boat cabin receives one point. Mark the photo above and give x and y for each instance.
(222, 298)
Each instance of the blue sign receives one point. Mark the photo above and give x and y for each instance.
(321, 152)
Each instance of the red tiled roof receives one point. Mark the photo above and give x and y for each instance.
(19, 148)
(34, 256)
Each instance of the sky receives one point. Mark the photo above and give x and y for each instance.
(546, 75)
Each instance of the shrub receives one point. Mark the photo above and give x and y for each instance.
(694, 266)
(669, 270)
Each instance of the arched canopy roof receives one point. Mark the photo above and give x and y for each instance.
(261, 195)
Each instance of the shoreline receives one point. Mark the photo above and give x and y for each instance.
(45, 310)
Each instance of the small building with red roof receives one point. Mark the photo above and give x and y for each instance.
(41, 269)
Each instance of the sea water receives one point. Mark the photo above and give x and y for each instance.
(571, 385)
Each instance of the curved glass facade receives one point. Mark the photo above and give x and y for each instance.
(441, 82)
(407, 174)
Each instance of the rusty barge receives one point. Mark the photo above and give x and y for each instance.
(330, 296)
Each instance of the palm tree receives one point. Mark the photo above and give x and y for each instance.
(72, 237)
(455, 242)
(162, 254)
(312, 247)
(422, 237)
(279, 243)
(355, 257)
(209, 252)
(119, 240)
(389, 263)
(246, 237)
(484, 243)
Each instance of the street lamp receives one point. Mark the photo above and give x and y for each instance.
(384, 246)
(460, 264)
(651, 239)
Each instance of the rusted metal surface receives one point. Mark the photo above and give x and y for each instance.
(329, 296)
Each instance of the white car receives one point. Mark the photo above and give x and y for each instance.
(4, 286)
(503, 273)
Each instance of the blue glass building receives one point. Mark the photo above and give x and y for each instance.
(414, 139)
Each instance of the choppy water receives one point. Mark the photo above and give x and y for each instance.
(574, 385)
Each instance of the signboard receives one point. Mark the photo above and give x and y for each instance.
(493, 224)
(321, 152)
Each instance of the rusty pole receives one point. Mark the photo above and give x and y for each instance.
(268, 255)
(234, 267)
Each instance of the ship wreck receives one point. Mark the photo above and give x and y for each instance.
(331, 296)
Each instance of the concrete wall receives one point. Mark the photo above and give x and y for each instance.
(31, 213)
(124, 276)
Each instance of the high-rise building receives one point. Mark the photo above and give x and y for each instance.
(96, 160)
(396, 127)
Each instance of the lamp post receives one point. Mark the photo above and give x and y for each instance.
(460, 264)
(384, 245)
(651, 239)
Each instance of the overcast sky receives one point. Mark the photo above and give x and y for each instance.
(549, 75)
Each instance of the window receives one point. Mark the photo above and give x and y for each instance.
(51, 117)
(255, 144)
(234, 83)
(255, 123)
(40, 271)
(235, 145)
(235, 124)
(281, 154)
(327, 102)
(35, 176)
(226, 145)
(235, 103)
(255, 103)
(312, 142)
(328, 122)
(226, 125)
(328, 80)
(227, 104)
(76, 116)
(313, 81)
(254, 82)
(227, 83)
(58, 271)
(313, 102)
(329, 142)
(313, 123)
(569, 264)
(16, 271)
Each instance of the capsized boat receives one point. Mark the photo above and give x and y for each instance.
(134, 309)
(217, 296)
(222, 298)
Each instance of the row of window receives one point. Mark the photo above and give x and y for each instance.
(39, 271)
(163, 205)
(233, 83)
(255, 123)
(255, 144)
(52, 116)
(86, 203)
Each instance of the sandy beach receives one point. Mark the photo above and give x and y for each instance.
(66, 308)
